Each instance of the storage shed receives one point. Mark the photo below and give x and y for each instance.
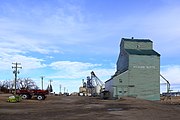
(138, 71)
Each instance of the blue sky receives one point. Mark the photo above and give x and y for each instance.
(64, 40)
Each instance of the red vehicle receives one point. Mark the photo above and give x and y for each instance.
(28, 94)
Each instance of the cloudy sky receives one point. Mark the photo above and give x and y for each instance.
(64, 40)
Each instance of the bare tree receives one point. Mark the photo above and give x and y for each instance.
(5, 86)
(26, 83)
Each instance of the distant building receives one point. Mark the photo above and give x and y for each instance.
(138, 71)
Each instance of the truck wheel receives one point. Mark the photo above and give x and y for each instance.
(40, 97)
(24, 96)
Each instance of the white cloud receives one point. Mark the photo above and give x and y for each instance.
(68, 65)
(78, 70)
(68, 69)
(70, 74)
(171, 73)
(70, 23)
(26, 62)
(64, 26)
(23, 44)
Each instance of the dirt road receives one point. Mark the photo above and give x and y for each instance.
(87, 108)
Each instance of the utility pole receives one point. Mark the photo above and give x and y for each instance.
(42, 77)
(64, 89)
(15, 72)
(60, 88)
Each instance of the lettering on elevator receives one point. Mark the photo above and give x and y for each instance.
(144, 67)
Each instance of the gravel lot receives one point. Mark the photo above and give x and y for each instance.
(87, 108)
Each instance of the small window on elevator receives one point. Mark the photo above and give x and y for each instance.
(120, 80)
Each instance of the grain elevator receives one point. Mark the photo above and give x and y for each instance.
(138, 71)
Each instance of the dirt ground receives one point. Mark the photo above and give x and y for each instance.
(87, 108)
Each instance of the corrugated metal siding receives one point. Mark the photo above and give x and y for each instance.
(144, 72)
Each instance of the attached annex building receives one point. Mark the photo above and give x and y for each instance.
(138, 71)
